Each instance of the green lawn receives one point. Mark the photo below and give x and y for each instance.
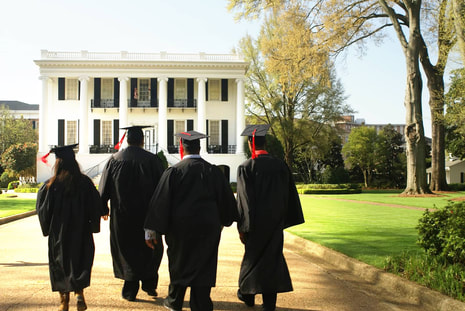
(366, 232)
(12, 206)
(392, 197)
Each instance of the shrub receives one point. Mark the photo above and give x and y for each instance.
(456, 187)
(328, 188)
(442, 232)
(5, 179)
(13, 185)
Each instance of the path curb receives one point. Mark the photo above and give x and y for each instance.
(418, 294)
(8, 219)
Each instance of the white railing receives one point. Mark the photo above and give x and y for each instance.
(124, 55)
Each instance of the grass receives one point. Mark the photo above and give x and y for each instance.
(392, 197)
(11, 206)
(369, 233)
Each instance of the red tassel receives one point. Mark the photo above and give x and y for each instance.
(44, 158)
(254, 155)
(118, 145)
(181, 148)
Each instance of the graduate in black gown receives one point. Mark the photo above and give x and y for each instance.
(69, 210)
(128, 181)
(190, 206)
(268, 203)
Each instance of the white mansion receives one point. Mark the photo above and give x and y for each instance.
(87, 97)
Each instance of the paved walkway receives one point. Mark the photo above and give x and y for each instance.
(323, 280)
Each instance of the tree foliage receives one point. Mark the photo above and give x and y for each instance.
(14, 130)
(455, 116)
(20, 158)
(360, 151)
(390, 158)
(291, 83)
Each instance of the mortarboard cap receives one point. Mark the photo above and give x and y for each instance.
(134, 133)
(259, 129)
(189, 138)
(191, 135)
(64, 152)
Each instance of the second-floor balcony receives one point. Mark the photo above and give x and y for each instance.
(104, 103)
(182, 103)
(102, 149)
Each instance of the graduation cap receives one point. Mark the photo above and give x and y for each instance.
(61, 152)
(255, 130)
(134, 133)
(189, 138)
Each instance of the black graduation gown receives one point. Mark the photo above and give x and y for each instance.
(69, 222)
(128, 181)
(268, 203)
(190, 206)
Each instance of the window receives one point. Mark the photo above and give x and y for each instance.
(106, 132)
(72, 89)
(144, 90)
(214, 89)
(179, 126)
(71, 132)
(180, 90)
(107, 89)
(214, 132)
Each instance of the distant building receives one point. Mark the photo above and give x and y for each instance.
(347, 123)
(88, 96)
(455, 171)
(19, 109)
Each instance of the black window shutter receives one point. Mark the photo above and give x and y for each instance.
(224, 90)
(206, 90)
(97, 92)
(116, 92)
(79, 89)
(190, 125)
(61, 132)
(170, 124)
(170, 92)
(97, 132)
(61, 88)
(153, 92)
(115, 131)
(224, 136)
(133, 91)
(190, 92)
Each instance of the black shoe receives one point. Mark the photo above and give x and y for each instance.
(128, 297)
(268, 309)
(151, 292)
(168, 306)
(249, 300)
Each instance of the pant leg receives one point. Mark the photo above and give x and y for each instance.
(149, 284)
(269, 302)
(176, 296)
(130, 289)
(200, 299)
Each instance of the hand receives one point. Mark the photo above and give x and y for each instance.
(105, 217)
(243, 237)
(151, 243)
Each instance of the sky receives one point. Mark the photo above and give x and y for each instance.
(374, 83)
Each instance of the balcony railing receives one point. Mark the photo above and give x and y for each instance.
(136, 103)
(182, 103)
(102, 149)
(104, 103)
(215, 149)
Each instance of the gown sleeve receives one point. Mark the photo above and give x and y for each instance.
(159, 212)
(105, 186)
(44, 208)
(245, 199)
(294, 214)
(225, 199)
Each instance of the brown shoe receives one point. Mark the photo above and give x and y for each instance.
(64, 301)
(80, 301)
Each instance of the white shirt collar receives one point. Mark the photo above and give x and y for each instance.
(192, 156)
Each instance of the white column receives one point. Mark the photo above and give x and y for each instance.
(123, 105)
(43, 113)
(201, 112)
(84, 116)
(162, 113)
(240, 120)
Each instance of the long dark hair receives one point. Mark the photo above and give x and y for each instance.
(67, 173)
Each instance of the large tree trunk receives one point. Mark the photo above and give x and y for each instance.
(414, 131)
(438, 161)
